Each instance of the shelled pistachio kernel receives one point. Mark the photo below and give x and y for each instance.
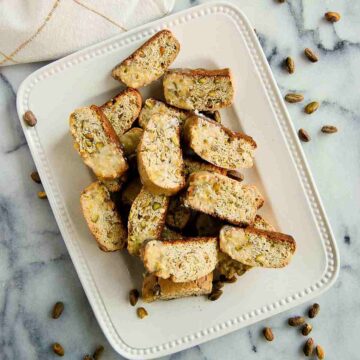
(141, 312)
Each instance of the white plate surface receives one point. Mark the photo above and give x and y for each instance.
(212, 36)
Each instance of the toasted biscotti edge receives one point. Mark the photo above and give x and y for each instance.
(92, 225)
(155, 288)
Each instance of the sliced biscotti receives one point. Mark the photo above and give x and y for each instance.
(222, 197)
(181, 260)
(102, 218)
(155, 288)
(178, 215)
(130, 140)
(230, 267)
(146, 219)
(123, 110)
(218, 145)
(153, 106)
(192, 165)
(149, 62)
(160, 162)
(199, 89)
(256, 247)
(97, 143)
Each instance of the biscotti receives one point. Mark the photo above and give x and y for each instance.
(97, 143)
(123, 110)
(256, 247)
(160, 162)
(146, 219)
(180, 260)
(178, 215)
(230, 267)
(130, 140)
(102, 218)
(198, 89)
(222, 197)
(153, 106)
(155, 288)
(149, 62)
(192, 165)
(218, 145)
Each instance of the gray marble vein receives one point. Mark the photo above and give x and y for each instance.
(35, 268)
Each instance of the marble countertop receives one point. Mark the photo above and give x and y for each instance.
(36, 270)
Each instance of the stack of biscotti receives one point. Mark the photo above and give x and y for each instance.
(164, 187)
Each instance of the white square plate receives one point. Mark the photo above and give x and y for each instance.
(213, 35)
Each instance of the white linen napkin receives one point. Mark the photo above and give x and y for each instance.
(35, 30)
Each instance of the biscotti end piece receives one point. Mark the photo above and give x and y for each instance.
(153, 106)
(155, 288)
(222, 197)
(97, 143)
(123, 110)
(256, 247)
(180, 260)
(160, 162)
(199, 89)
(102, 218)
(146, 219)
(218, 145)
(149, 62)
(192, 165)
